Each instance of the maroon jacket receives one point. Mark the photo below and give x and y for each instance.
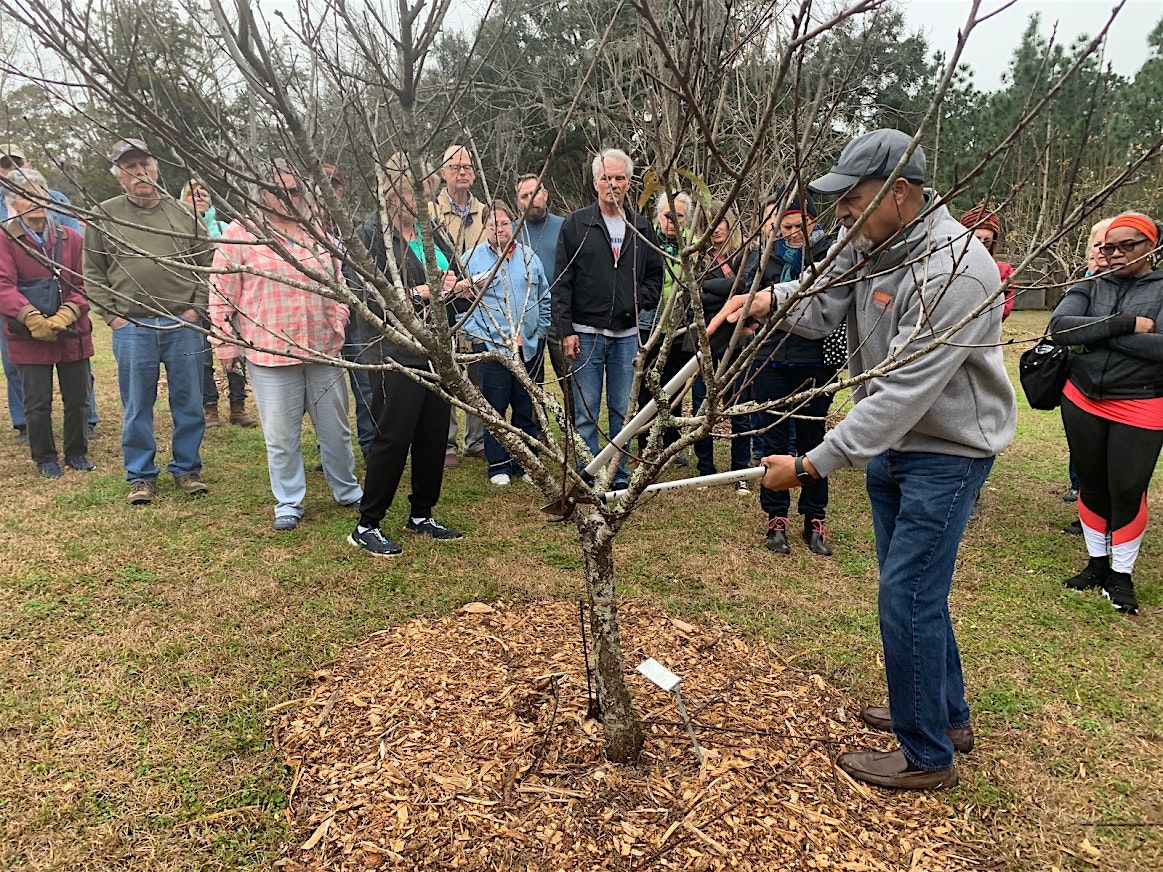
(17, 263)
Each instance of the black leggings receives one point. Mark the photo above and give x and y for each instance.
(1114, 464)
(408, 417)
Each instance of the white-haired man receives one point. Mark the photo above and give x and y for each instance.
(608, 270)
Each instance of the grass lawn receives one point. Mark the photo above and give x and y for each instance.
(141, 649)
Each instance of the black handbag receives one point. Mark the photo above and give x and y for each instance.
(43, 293)
(1042, 371)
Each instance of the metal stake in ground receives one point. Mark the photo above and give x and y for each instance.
(668, 681)
(593, 703)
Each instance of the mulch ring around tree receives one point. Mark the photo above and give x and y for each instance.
(463, 743)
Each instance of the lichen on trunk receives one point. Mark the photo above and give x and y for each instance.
(623, 729)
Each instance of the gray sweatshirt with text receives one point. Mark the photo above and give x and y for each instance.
(954, 399)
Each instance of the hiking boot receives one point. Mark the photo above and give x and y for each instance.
(1092, 575)
(814, 537)
(191, 484)
(1120, 590)
(239, 417)
(210, 413)
(374, 542)
(432, 527)
(891, 769)
(141, 492)
(777, 535)
(49, 469)
(878, 717)
(80, 463)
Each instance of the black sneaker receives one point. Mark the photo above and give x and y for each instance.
(374, 542)
(1094, 574)
(1071, 495)
(1120, 590)
(433, 528)
(80, 463)
(1074, 528)
(49, 469)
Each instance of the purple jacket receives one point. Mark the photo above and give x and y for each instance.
(17, 263)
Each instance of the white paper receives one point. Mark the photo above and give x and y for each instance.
(659, 674)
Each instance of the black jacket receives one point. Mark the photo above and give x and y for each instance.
(784, 347)
(412, 274)
(1099, 314)
(590, 288)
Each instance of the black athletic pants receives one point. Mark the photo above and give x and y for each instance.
(408, 417)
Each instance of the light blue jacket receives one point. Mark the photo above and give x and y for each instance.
(518, 295)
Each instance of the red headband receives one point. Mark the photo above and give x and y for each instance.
(1136, 222)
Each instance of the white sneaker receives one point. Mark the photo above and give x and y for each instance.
(501, 479)
(741, 487)
(527, 478)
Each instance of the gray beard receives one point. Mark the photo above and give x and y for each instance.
(861, 243)
(536, 213)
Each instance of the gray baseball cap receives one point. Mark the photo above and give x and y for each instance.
(871, 156)
(122, 147)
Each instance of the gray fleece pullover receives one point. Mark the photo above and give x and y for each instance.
(955, 399)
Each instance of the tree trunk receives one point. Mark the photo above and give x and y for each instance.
(620, 720)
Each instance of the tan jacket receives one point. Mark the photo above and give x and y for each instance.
(465, 233)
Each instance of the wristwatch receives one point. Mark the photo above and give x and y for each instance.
(802, 474)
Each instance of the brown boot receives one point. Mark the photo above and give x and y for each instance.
(211, 413)
(239, 417)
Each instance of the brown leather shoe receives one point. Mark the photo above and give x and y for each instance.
(451, 461)
(479, 454)
(211, 415)
(878, 717)
(891, 769)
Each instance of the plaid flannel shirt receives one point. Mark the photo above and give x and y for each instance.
(266, 312)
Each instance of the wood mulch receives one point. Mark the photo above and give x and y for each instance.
(463, 743)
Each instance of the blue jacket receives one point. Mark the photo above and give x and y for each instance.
(63, 218)
(518, 294)
(541, 236)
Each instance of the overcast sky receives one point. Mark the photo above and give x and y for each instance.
(992, 45)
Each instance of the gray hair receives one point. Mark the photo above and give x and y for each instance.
(663, 201)
(22, 181)
(612, 154)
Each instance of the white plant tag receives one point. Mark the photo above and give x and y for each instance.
(659, 674)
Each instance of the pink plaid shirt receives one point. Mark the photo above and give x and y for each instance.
(266, 312)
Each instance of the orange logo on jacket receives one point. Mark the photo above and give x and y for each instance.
(883, 299)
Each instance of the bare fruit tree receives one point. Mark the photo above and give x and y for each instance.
(725, 101)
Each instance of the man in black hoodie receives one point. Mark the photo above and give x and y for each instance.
(608, 269)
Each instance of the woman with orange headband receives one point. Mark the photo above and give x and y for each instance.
(1112, 405)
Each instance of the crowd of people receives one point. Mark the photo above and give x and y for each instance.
(910, 298)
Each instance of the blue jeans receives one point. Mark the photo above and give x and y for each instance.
(741, 425)
(503, 392)
(361, 383)
(602, 361)
(283, 394)
(920, 506)
(141, 350)
(15, 388)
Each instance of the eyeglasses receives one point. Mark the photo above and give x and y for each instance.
(1123, 247)
(460, 168)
